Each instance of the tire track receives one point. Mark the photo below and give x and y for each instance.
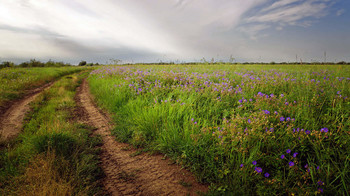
(133, 175)
(12, 118)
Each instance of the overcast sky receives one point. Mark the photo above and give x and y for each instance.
(174, 30)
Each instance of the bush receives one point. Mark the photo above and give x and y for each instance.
(6, 64)
(82, 63)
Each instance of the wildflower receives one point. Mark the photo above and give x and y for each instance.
(282, 119)
(192, 119)
(306, 166)
(338, 92)
(282, 156)
(282, 95)
(286, 103)
(250, 100)
(320, 190)
(240, 101)
(318, 167)
(295, 154)
(249, 121)
(307, 132)
(288, 151)
(241, 165)
(291, 163)
(288, 119)
(267, 112)
(320, 183)
(325, 130)
(266, 175)
(258, 169)
(254, 162)
(276, 112)
(195, 123)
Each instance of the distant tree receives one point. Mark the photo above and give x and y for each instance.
(35, 63)
(341, 63)
(82, 63)
(6, 64)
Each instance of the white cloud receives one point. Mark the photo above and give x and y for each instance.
(292, 14)
(340, 12)
(177, 29)
(254, 31)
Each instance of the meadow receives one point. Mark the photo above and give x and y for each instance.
(243, 129)
(55, 153)
(16, 80)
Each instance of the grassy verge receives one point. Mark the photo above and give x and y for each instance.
(250, 130)
(53, 155)
(14, 81)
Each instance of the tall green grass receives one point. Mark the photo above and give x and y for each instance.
(246, 129)
(14, 81)
(54, 155)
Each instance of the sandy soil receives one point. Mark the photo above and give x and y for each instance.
(126, 174)
(11, 118)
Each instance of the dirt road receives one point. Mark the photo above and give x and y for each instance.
(127, 174)
(12, 118)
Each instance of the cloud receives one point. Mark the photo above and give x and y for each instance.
(150, 29)
(253, 31)
(291, 14)
(340, 12)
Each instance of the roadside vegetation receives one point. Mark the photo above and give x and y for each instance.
(54, 154)
(15, 81)
(245, 129)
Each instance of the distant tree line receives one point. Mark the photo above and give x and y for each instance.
(36, 63)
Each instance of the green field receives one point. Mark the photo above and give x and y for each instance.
(14, 81)
(244, 129)
(54, 154)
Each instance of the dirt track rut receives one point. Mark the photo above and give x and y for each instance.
(143, 174)
(11, 120)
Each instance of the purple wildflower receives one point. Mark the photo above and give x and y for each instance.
(282, 119)
(241, 165)
(307, 132)
(282, 95)
(295, 154)
(283, 156)
(288, 151)
(258, 169)
(254, 162)
(291, 163)
(267, 112)
(288, 119)
(249, 121)
(266, 175)
(320, 183)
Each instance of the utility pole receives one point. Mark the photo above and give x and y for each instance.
(325, 57)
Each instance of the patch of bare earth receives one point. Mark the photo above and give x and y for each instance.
(127, 174)
(11, 118)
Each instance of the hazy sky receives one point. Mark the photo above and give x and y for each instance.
(183, 30)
